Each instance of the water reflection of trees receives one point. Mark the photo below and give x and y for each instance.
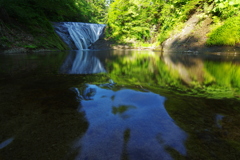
(210, 137)
(191, 74)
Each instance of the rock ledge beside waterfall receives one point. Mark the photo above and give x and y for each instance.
(192, 38)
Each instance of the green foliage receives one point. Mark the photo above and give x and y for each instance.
(98, 10)
(35, 17)
(226, 34)
(226, 8)
(174, 13)
(53, 10)
(146, 21)
(30, 46)
(134, 21)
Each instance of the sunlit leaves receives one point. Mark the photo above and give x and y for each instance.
(226, 8)
(134, 19)
(227, 34)
(141, 15)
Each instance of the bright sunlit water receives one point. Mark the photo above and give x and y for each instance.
(119, 104)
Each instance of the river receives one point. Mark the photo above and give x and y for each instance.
(119, 104)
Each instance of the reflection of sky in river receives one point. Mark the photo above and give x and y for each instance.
(80, 62)
(127, 123)
(6, 142)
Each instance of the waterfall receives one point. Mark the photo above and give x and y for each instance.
(78, 35)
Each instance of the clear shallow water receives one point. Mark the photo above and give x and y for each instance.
(136, 105)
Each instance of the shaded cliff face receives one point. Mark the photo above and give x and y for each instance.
(192, 38)
(16, 37)
(13, 39)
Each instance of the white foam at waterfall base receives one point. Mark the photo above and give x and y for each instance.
(79, 35)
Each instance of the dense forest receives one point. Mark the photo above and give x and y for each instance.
(135, 22)
(153, 21)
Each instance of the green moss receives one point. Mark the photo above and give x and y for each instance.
(227, 34)
(30, 46)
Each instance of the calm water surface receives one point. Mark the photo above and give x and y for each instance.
(119, 104)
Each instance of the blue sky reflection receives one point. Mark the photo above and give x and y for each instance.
(142, 114)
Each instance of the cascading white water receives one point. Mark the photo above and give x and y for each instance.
(79, 35)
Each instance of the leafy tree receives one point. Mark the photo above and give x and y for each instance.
(152, 21)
